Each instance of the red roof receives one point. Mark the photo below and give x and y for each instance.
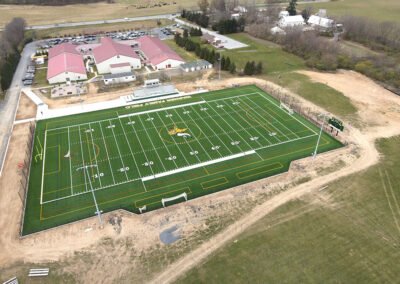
(65, 62)
(63, 48)
(156, 51)
(110, 48)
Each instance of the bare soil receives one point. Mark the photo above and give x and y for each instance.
(138, 234)
(26, 108)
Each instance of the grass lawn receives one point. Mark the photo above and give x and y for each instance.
(186, 55)
(354, 239)
(40, 78)
(132, 158)
(91, 29)
(272, 56)
(379, 10)
(318, 93)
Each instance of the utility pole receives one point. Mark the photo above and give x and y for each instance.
(319, 136)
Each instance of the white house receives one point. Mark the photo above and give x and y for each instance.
(196, 65)
(111, 53)
(291, 21)
(158, 54)
(320, 22)
(117, 78)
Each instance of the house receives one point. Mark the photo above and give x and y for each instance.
(321, 23)
(65, 64)
(291, 21)
(211, 39)
(283, 14)
(117, 78)
(110, 53)
(277, 31)
(158, 54)
(196, 65)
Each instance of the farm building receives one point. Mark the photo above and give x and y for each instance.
(110, 54)
(196, 65)
(291, 21)
(158, 54)
(320, 22)
(65, 64)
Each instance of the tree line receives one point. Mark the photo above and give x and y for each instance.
(12, 41)
(198, 18)
(204, 52)
(229, 26)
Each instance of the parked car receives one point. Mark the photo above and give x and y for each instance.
(27, 82)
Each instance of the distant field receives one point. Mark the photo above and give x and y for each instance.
(131, 157)
(379, 10)
(37, 15)
(348, 235)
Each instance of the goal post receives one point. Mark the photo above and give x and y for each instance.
(286, 107)
(182, 195)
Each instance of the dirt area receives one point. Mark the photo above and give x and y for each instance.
(235, 209)
(26, 108)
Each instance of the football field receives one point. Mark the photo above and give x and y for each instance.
(135, 157)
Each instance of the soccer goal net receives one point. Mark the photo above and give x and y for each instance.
(182, 195)
(287, 108)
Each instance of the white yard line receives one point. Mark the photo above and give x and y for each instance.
(119, 152)
(130, 149)
(160, 109)
(274, 118)
(231, 128)
(141, 146)
(95, 156)
(293, 116)
(266, 120)
(249, 123)
(70, 164)
(199, 165)
(243, 128)
(215, 134)
(166, 147)
(194, 139)
(177, 146)
(44, 161)
(151, 141)
(83, 158)
(105, 146)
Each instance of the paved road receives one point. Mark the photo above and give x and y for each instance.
(113, 21)
(8, 106)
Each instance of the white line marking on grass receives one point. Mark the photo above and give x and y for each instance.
(43, 168)
(95, 156)
(292, 116)
(238, 144)
(129, 145)
(266, 120)
(177, 146)
(108, 157)
(273, 117)
(70, 164)
(216, 135)
(205, 151)
(160, 109)
(119, 152)
(140, 143)
(83, 158)
(151, 141)
(198, 165)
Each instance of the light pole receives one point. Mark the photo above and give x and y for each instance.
(319, 136)
(219, 66)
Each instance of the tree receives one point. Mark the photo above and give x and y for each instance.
(292, 8)
(185, 33)
(247, 69)
(259, 68)
(307, 12)
(227, 65)
(273, 10)
(219, 5)
(232, 68)
(203, 6)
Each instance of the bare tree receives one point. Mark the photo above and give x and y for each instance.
(273, 10)
(219, 5)
(203, 6)
(307, 12)
(14, 32)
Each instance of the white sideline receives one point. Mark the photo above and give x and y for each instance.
(198, 165)
(160, 109)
